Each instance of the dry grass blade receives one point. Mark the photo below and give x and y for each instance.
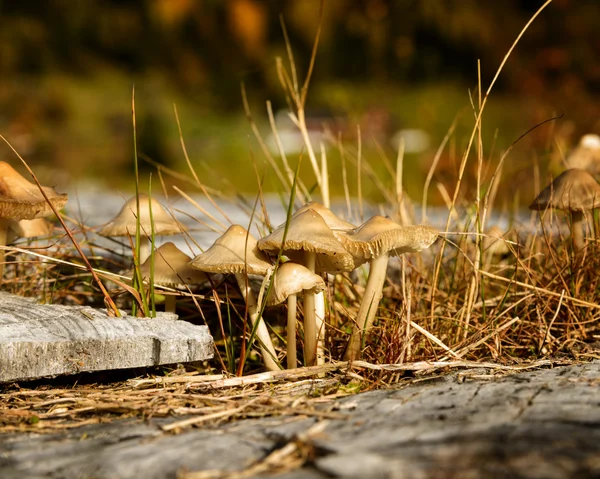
(209, 417)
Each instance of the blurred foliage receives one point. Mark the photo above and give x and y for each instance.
(66, 69)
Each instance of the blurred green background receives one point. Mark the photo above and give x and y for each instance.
(67, 67)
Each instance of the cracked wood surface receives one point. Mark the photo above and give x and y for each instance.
(39, 340)
(533, 424)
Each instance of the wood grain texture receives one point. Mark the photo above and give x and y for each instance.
(39, 340)
(537, 424)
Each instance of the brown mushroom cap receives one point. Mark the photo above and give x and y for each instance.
(379, 235)
(572, 190)
(308, 231)
(22, 200)
(334, 223)
(234, 252)
(124, 224)
(171, 267)
(293, 278)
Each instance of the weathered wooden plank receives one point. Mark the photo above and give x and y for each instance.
(528, 425)
(39, 340)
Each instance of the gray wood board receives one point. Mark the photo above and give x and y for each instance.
(38, 340)
(527, 425)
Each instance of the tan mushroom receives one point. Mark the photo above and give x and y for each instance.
(374, 241)
(586, 155)
(22, 200)
(310, 242)
(29, 229)
(171, 268)
(124, 224)
(494, 242)
(236, 252)
(290, 280)
(574, 191)
(335, 224)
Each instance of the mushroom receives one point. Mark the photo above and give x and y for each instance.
(29, 229)
(586, 155)
(291, 279)
(171, 268)
(573, 191)
(22, 200)
(124, 224)
(494, 242)
(335, 224)
(236, 252)
(310, 242)
(374, 241)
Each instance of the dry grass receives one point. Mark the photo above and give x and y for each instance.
(202, 399)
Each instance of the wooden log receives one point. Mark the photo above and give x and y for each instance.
(475, 423)
(38, 340)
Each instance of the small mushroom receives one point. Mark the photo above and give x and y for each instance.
(374, 241)
(335, 224)
(574, 191)
(586, 155)
(22, 200)
(290, 280)
(29, 229)
(236, 252)
(124, 224)
(310, 242)
(494, 243)
(171, 268)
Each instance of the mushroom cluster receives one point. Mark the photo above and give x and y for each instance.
(314, 243)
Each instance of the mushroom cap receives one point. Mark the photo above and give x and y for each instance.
(233, 252)
(380, 235)
(308, 231)
(22, 200)
(292, 278)
(124, 223)
(572, 190)
(171, 267)
(586, 155)
(29, 229)
(329, 216)
(494, 242)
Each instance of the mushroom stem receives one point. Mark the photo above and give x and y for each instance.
(170, 301)
(577, 220)
(144, 248)
(262, 333)
(310, 320)
(4, 224)
(292, 361)
(368, 307)
(320, 326)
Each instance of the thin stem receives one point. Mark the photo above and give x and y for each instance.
(310, 322)
(292, 360)
(170, 302)
(577, 220)
(368, 307)
(3, 238)
(262, 333)
(144, 248)
(320, 327)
